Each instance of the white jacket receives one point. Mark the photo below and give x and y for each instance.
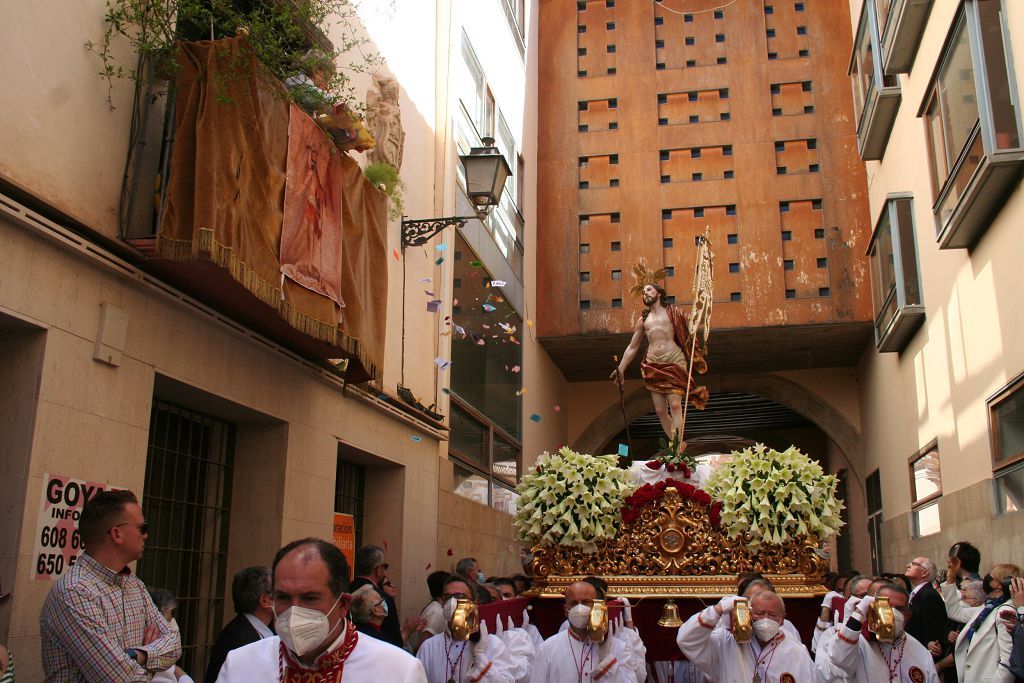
(979, 661)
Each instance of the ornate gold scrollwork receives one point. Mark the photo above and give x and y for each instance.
(672, 549)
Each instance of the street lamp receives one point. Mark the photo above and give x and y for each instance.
(486, 172)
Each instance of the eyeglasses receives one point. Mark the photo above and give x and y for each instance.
(458, 596)
(379, 604)
(914, 563)
(384, 565)
(143, 528)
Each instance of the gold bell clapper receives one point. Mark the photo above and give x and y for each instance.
(881, 620)
(597, 629)
(465, 620)
(742, 626)
(670, 615)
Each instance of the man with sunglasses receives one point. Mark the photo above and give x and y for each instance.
(371, 570)
(98, 622)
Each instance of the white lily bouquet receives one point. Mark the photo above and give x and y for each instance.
(571, 499)
(775, 496)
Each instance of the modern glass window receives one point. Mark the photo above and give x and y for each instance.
(473, 91)
(485, 359)
(1006, 427)
(925, 490)
(874, 495)
(895, 279)
(972, 125)
(901, 24)
(485, 460)
(876, 96)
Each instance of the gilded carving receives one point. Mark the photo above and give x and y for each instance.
(671, 549)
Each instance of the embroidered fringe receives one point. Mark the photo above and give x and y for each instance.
(205, 247)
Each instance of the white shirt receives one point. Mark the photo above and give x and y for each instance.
(262, 630)
(563, 659)
(434, 614)
(444, 659)
(845, 657)
(723, 660)
(371, 661)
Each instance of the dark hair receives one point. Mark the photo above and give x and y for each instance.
(743, 580)
(163, 598)
(662, 299)
(897, 579)
(435, 583)
(828, 579)
(970, 557)
(525, 580)
(481, 595)
(893, 588)
(336, 563)
(458, 578)
(506, 582)
(600, 585)
(368, 558)
(247, 587)
(101, 513)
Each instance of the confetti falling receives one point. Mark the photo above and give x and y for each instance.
(434, 306)
(535, 417)
(415, 438)
(476, 264)
(442, 364)
(450, 553)
(394, 252)
(442, 247)
(516, 368)
(426, 280)
(558, 409)
(489, 308)
(623, 450)
(439, 261)
(498, 283)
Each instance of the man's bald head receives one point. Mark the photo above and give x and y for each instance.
(768, 603)
(579, 593)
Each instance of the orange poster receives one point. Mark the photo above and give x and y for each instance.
(345, 536)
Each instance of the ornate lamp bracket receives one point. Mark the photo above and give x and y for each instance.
(418, 232)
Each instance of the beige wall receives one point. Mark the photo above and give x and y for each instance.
(968, 347)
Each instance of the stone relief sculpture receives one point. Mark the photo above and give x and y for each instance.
(384, 119)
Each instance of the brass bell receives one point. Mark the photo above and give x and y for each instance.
(670, 615)
(882, 620)
(742, 628)
(597, 629)
(465, 620)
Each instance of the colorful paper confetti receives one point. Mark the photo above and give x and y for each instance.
(442, 247)
(394, 252)
(442, 364)
(498, 283)
(434, 306)
(489, 308)
(623, 450)
(415, 438)
(516, 368)
(476, 264)
(439, 261)
(535, 417)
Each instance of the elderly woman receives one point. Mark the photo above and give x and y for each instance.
(368, 611)
(167, 604)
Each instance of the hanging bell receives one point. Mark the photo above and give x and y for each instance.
(670, 615)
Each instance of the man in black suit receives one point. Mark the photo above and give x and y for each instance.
(251, 593)
(371, 570)
(927, 620)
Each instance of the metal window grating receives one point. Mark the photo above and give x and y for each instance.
(187, 502)
(349, 493)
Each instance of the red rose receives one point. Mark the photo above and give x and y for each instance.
(654, 464)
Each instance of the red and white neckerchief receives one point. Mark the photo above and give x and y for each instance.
(329, 667)
(586, 650)
(895, 667)
(766, 656)
(452, 670)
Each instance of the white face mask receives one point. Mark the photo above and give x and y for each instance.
(480, 578)
(302, 629)
(766, 629)
(448, 609)
(579, 616)
(898, 621)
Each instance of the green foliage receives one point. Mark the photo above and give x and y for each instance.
(385, 176)
(671, 452)
(287, 36)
